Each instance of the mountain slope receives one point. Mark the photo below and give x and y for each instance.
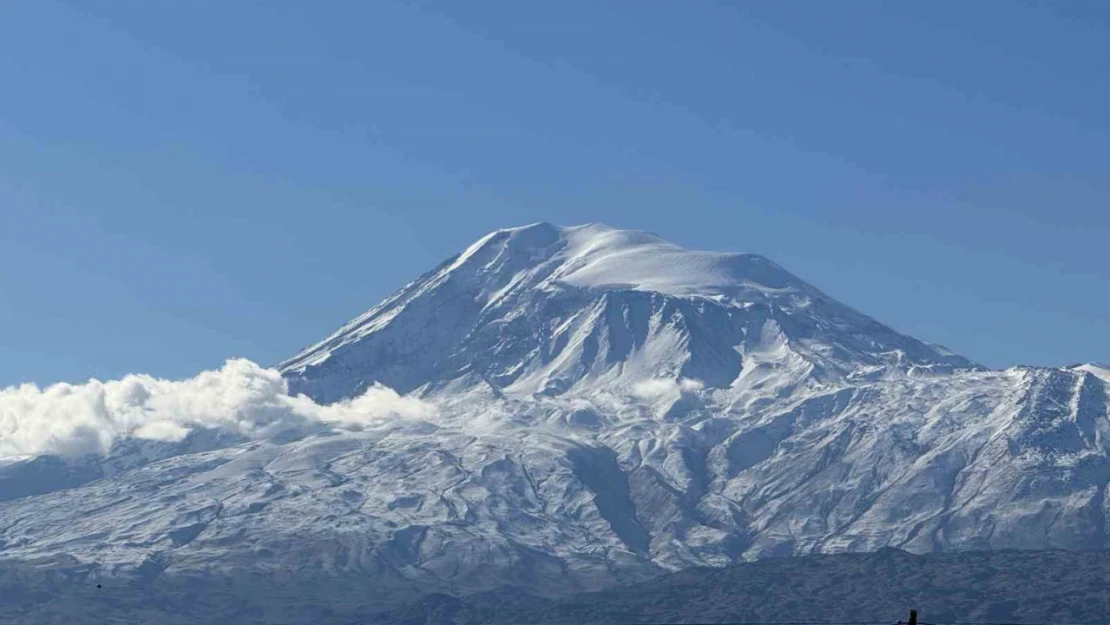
(604, 407)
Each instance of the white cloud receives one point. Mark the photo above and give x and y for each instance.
(665, 388)
(241, 398)
(689, 385)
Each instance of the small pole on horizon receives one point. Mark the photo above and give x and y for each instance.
(913, 617)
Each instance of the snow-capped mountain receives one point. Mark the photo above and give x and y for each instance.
(601, 406)
(542, 309)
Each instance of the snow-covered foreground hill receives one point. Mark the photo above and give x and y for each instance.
(581, 406)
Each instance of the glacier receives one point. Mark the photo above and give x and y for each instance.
(604, 406)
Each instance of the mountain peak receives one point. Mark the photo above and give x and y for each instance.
(600, 257)
(543, 308)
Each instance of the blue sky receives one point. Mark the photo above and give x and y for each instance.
(182, 182)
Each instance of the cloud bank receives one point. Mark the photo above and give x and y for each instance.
(240, 398)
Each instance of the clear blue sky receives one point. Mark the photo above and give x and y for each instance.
(181, 182)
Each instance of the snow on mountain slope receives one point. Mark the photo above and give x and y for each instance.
(540, 308)
(604, 406)
(1098, 370)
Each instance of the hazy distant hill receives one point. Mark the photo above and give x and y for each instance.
(999, 587)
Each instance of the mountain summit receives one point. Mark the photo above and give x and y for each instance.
(595, 406)
(539, 309)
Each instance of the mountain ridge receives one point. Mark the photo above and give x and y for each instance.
(578, 407)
